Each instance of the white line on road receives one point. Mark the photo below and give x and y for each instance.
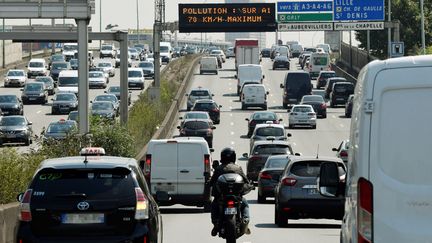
(232, 123)
(294, 144)
(232, 142)
(341, 125)
(232, 133)
(333, 116)
(231, 113)
(38, 112)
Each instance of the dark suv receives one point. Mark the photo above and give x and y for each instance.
(198, 128)
(296, 84)
(340, 93)
(89, 199)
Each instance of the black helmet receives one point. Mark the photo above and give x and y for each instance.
(228, 155)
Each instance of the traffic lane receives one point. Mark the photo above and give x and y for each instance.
(232, 132)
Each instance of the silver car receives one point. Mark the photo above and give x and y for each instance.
(297, 196)
(108, 67)
(15, 77)
(302, 115)
(198, 94)
(97, 79)
(265, 131)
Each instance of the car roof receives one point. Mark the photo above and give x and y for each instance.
(344, 83)
(37, 60)
(295, 159)
(93, 162)
(200, 88)
(327, 71)
(270, 125)
(336, 78)
(135, 69)
(196, 119)
(205, 101)
(20, 70)
(297, 71)
(302, 106)
(63, 122)
(279, 142)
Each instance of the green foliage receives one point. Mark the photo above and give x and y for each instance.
(408, 13)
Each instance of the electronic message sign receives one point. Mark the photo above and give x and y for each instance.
(241, 17)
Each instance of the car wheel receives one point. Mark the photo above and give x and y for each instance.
(261, 199)
(201, 72)
(27, 143)
(290, 126)
(53, 112)
(207, 207)
(325, 115)
(243, 107)
(314, 127)
(265, 107)
(285, 106)
(142, 87)
(280, 220)
(332, 104)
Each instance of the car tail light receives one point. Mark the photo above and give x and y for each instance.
(206, 163)
(365, 211)
(343, 153)
(293, 114)
(25, 211)
(265, 175)
(230, 204)
(147, 166)
(289, 181)
(255, 158)
(323, 106)
(275, 121)
(209, 131)
(252, 123)
(142, 205)
(215, 110)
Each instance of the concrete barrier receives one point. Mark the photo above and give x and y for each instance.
(340, 72)
(8, 222)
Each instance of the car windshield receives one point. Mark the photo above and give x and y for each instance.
(302, 109)
(271, 149)
(106, 48)
(313, 98)
(13, 121)
(164, 49)
(57, 58)
(33, 87)
(114, 89)
(15, 73)
(133, 51)
(264, 116)
(102, 106)
(70, 47)
(68, 81)
(106, 98)
(134, 74)
(60, 128)
(96, 74)
(193, 115)
(270, 131)
(65, 97)
(311, 168)
(341, 88)
(73, 116)
(199, 93)
(276, 163)
(43, 79)
(36, 64)
(281, 58)
(150, 56)
(73, 62)
(59, 66)
(328, 75)
(8, 99)
(320, 61)
(145, 64)
(195, 125)
(104, 64)
(96, 184)
(205, 106)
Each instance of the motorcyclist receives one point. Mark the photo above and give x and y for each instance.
(227, 160)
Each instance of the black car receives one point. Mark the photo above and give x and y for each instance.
(73, 116)
(295, 86)
(104, 109)
(281, 62)
(317, 102)
(89, 198)
(261, 117)
(322, 78)
(11, 105)
(59, 130)
(348, 106)
(57, 67)
(49, 83)
(15, 129)
(269, 176)
(148, 69)
(340, 93)
(329, 86)
(209, 106)
(55, 58)
(115, 90)
(74, 64)
(265, 52)
(34, 92)
(63, 103)
(197, 128)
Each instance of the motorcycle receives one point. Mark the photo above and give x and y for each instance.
(231, 225)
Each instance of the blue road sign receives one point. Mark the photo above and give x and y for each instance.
(358, 10)
(312, 6)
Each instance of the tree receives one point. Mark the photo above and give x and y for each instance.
(408, 13)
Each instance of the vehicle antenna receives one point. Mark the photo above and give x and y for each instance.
(317, 152)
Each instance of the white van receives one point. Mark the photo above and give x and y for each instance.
(318, 62)
(69, 50)
(178, 170)
(68, 82)
(136, 78)
(37, 67)
(248, 72)
(208, 65)
(254, 95)
(388, 191)
(165, 51)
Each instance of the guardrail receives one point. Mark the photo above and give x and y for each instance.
(26, 57)
(340, 72)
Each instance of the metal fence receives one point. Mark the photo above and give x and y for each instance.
(354, 58)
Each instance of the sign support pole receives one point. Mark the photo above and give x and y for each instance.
(423, 28)
(83, 88)
(368, 43)
(389, 30)
(3, 48)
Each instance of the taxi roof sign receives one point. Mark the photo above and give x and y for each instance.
(92, 151)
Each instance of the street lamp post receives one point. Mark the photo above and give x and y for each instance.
(138, 34)
(100, 22)
(423, 38)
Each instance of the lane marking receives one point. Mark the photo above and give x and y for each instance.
(333, 116)
(231, 114)
(294, 144)
(341, 125)
(232, 142)
(231, 106)
(232, 133)
(232, 123)
(38, 112)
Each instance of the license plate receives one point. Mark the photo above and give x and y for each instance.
(230, 211)
(10, 135)
(32, 98)
(132, 84)
(95, 218)
(249, 100)
(164, 188)
(292, 99)
(312, 191)
(340, 99)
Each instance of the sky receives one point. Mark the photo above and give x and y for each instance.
(124, 14)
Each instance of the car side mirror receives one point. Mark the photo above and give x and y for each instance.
(267, 92)
(245, 155)
(215, 164)
(220, 106)
(181, 118)
(30, 123)
(297, 154)
(105, 92)
(334, 149)
(20, 197)
(212, 150)
(212, 94)
(329, 181)
(281, 86)
(235, 76)
(213, 127)
(52, 99)
(263, 77)
(280, 119)
(289, 135)
(178, 127)
(21, 89)
(246, 119)
(130, 92)
(186, 94)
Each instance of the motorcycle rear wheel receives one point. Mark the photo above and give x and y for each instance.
(230, 229)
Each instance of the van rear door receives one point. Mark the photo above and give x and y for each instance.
(190, 169)
(164, 168)
(400, 159)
